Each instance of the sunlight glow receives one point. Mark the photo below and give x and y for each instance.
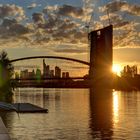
(115, 107)
(116, 69)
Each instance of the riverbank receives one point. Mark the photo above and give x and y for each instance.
(3, 131)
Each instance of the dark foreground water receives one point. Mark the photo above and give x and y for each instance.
(76, 114)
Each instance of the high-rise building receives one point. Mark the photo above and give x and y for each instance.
(51, 73)
(31, 74)
(101, 55)
(24, 74)
(67, 74)
(38, 74)
(46, 70)
(57, 72)
(63, 75)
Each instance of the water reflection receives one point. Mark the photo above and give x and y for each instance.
(115, 107)
(78, 114)
(101, 113)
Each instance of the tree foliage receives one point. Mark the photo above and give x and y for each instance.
(6, 73)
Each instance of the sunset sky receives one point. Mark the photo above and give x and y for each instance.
(58, 27)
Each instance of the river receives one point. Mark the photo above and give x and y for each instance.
(76, 114)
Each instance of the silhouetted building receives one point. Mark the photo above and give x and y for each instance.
(24, 74)
(129, 71)
(101, 55)
(31, 74)
(38, 74)
(51, 73)
(63, 75)
(46, 70)
(67, 75)
(57, 72)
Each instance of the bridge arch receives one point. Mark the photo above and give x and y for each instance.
(51, 57)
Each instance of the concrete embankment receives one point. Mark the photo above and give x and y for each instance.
(3, 131)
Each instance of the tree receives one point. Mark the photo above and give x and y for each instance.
(6, 73)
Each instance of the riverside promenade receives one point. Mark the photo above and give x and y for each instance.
(3, 131)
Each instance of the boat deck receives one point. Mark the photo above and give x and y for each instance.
(29, 108)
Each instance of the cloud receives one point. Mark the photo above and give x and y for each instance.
(122, 6)
(8, 22)
(38, 18)
(50, 8)
(127, 36)
(131, 9)
(113, 6)
(33, 5)
(115, 19)
(67, 10)
(125, 19)
(10, 27)
(70, 49)
(47, 28)
(65, 23)
(11, 10)
(68, 24)
(57, 25)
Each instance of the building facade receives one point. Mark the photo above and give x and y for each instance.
(101, 55)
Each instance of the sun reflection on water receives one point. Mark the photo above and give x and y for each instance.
(115, 107)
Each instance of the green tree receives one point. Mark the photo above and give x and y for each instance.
(6, 73)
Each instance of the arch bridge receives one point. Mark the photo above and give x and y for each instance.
(51, 57)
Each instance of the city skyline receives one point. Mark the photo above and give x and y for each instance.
(45, 72)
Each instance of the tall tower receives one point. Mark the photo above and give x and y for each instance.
(101, 56)
(44, 69)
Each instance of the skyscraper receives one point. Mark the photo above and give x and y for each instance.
(46, 70)
(101, 55)
(57, 72)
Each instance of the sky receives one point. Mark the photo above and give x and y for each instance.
(60, 27)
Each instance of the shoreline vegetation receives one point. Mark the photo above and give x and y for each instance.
(6, 73)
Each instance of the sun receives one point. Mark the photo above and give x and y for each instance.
(116, 69)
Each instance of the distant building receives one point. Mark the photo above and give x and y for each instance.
(24, 74)
(57, 72)
(67, 75)
(38, 74)
(31, 74)
(51, 73)
(46, 70)
(63, 75)
(129, 71)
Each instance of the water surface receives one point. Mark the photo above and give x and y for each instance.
(76, 114)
